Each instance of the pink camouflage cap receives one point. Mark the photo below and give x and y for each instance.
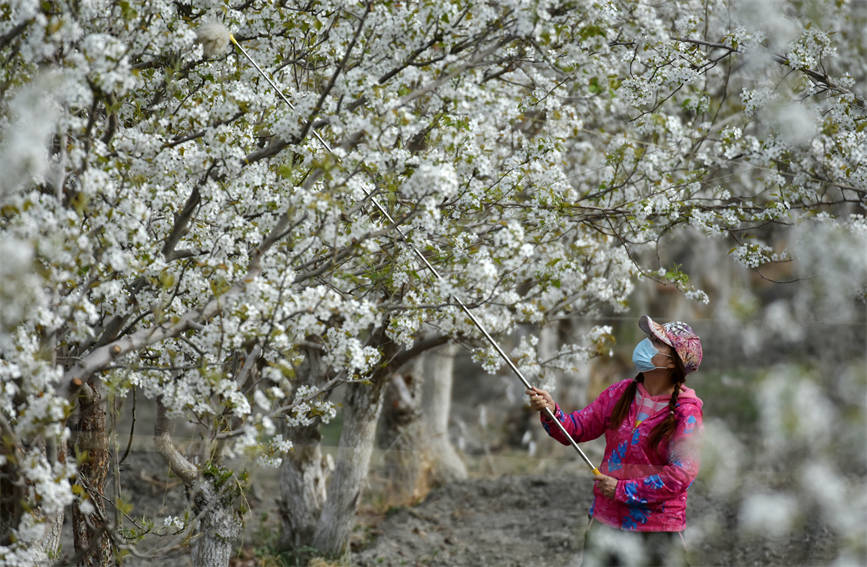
(679, 336)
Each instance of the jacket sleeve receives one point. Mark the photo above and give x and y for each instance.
(586, 424)
(677, 474)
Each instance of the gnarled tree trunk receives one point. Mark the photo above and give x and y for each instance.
(414, 425)
(13, 492)
(92, 542)
(214, 500)
(219, 528)
(402, 437)
(303, 473)
(302, 488)
(55, 451)
(363, 404)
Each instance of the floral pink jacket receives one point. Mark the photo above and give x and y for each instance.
(652, 481)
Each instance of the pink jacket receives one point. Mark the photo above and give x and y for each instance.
(652, 481)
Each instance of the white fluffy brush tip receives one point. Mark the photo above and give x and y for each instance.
(214, 38)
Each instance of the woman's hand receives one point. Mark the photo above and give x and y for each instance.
(540, 399)
(607, 485)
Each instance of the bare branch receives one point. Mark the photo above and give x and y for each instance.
(182, 219)
(815, 76)
(179, 464)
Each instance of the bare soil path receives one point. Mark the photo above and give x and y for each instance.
(533, 520)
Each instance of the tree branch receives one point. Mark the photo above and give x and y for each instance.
(815, 76)
(182, 219)
(340, 69)
(13, 33)
(179, 464)
(419, 347)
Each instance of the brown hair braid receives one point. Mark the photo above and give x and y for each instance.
(621, 408)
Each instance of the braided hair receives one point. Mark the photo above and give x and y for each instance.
(666, 427)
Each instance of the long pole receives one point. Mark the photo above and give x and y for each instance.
(427, 264)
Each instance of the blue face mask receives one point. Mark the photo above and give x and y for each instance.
(643, 355)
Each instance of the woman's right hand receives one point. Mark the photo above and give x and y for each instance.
(540, 399)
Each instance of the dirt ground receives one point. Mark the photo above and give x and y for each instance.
(529, 520)
(508, 520)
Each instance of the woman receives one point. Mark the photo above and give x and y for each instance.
(651, 425)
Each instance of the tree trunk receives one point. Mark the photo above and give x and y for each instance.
(362, 407)
(13, 492)
(56, 450)
(218, 526)
(418, 453)
(53, 535)
(402, 437)
(302, 488)
(14, 497)
(92, 543)
(215, 497)
(54, 523)
(363, 404)
(444, 461)
(303, 473)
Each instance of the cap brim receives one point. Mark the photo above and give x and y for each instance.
(654, 329)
